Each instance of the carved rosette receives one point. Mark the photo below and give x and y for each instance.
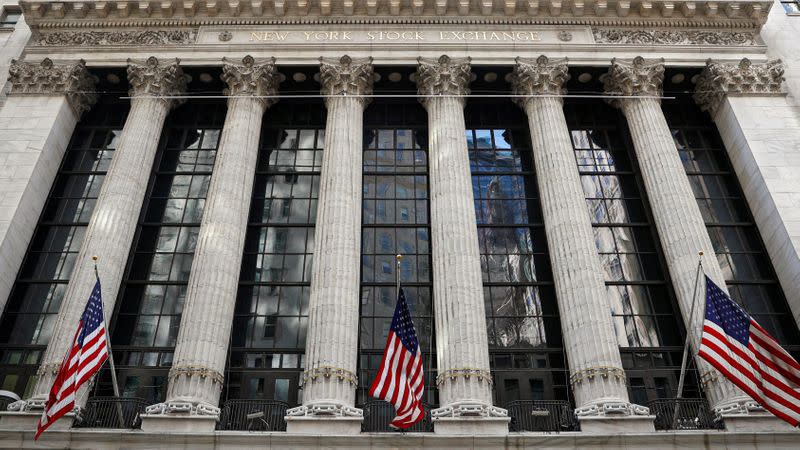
(46, 78)
(443, 76)
(152, 79)
(251, 79)
(639, 78)
(539, 77)
(718, 80)
(346, 76)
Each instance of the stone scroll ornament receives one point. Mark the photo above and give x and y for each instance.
(347, 76)
(251, 79)
(640, 78)
(154, 79)
(539, 77)
(718, 80)
(443, 76)
(110, 38)
(663, 37)
(71, 80)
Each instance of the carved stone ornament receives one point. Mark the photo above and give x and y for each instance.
(661, 37)
(124, 37)
(443, 76)
(225, 36)
(157, 80)
(539, 77)
(564, 36)
(251, 79)
(637, 78)
(46, 78)
(346, 76)
(718, 80)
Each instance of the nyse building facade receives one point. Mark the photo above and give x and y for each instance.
(557, 176)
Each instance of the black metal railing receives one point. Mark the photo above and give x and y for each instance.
(542, 415)
(253, 415)
(378, 414)
(692, 414)
(111, 412)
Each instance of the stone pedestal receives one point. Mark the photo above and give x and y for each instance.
(196, 376)
(27, 421)
(324, 425)
(178, 423)
(756, 422)
(475, 426)
(610, 424)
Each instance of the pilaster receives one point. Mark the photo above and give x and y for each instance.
(113, 223)
(597, 376)
(329, 381)
(635, 87)
(464, 380)
(196, 376)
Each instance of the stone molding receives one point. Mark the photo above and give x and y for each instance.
(469, 409)
(539, 77)
(701, 13)
(638, 78)
(482, 375)
(328, 372)
(325, 409)
(718, 80)
(443, 76)
(71, 80)
(346, 76)
(677, 37)
(196, 371)
(112, 38)
(251, 79)
(153, 79)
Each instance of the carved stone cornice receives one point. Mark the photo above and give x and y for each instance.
(46, 78)
(86, 38)
(346, 76)
(443, 76)
(251, 79)
(153, 79)
(718, 80)
(538, 77)
(639, 78)
(674, 37)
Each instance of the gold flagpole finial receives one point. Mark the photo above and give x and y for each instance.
(700, 253)
(399, 257)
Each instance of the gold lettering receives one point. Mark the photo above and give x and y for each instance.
(256, 36)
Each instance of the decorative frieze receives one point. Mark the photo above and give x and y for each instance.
(718, 80)
(346, 76)
(674, 37)
(443, 77)
(110, 38)
(153, 79)
(251, 79)
(539, 77)
(638, 78)
(46, 78)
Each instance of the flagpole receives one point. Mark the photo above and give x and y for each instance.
(689, 331)
(110, 353)
(399, 258)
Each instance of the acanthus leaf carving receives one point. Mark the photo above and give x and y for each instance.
(638, 78)
(679, 37)
(539, 77)
(71, 80)
(152, 79)
(251, 79)
(346, 76)
(121, 37)
(443, 76)
(718, 80)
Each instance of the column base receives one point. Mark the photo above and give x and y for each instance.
(323, 425)
(755, 422)
(483, 426)
(27, 421)
(617, 425)
(178, 423)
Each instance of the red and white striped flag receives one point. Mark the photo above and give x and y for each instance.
(400, 378)
(738, 346)
(88, 353)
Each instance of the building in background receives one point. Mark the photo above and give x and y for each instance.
(247, 171)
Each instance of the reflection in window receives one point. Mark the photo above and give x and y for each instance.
(271, 315)
(737, 242)
(395, 220)
(521, 311)
(153, 293)
(35, 299)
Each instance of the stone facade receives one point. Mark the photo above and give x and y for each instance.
(741, 86)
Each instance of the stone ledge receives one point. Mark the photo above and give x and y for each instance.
(178, 423)
(323, 426)
(471, 426)
(617, 425)
(27, 421)
(756, 422)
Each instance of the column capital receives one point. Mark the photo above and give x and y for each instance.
(718, 80)
(638, 78)
(251, 79)
(153, 79)
(443, 76)
(346, 76)
(46, 78)
(538, 77)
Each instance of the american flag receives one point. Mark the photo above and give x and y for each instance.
(400, 378)
(88, 353)
(747, 355)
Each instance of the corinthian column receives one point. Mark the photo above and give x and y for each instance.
(636, 86)
(329, 381)
(462, 349)
(196, 376)
(113, 222)
(597, 376)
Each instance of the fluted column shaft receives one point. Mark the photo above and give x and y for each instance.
(462, 349)
(597, 375)
(196, 376)
(332, 342)
(113, 222)
(681, 229)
